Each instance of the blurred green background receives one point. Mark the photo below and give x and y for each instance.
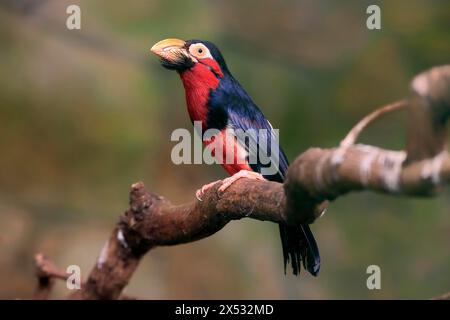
(84, 114)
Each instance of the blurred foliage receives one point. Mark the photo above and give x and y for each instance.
(83, 114)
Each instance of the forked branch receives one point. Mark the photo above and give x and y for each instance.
(314, 178)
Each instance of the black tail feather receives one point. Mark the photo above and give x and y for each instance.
(299, 246)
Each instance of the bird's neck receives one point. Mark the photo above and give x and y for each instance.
(198, 83)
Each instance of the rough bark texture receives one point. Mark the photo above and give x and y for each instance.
(314, 178)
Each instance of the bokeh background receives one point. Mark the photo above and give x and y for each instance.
(84, 114)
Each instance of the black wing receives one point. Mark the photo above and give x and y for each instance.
(259, 150)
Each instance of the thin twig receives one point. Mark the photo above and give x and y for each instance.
(356, 131)
(46, 272)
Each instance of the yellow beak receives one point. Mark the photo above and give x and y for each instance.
(169, 49)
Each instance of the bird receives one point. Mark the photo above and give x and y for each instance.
(217, 100)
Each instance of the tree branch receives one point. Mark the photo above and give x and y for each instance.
(314, 178)
(153, 221)
(325, 174)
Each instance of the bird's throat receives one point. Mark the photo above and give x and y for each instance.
(198, 82)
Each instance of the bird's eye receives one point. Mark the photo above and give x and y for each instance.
(199, 50)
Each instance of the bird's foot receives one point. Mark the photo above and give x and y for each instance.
(228, 182)
(241, 174)
(200, 192)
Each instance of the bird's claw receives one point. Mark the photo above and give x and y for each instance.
(197, 195)
(228, 182)
(241, 174)
(200, 192)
